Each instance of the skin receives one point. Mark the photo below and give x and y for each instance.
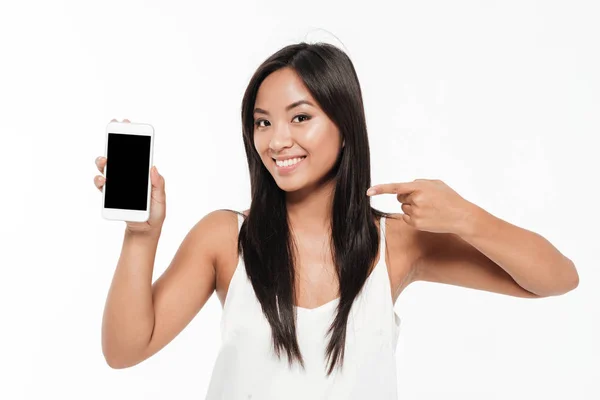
(304, 130)
(207, 257)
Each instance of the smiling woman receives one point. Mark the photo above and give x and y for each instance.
(307, 147)
(298, 142)
(309, 274)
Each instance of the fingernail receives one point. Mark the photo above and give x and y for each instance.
(371, 192)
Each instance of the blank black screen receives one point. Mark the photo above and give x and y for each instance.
(127, 168)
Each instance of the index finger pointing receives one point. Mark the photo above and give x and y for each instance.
(396, 188)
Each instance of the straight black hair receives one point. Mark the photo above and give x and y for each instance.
(265, 241)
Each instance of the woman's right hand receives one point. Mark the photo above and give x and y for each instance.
(157, 198)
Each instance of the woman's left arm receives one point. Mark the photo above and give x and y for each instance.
(462, 244)
(530, 259)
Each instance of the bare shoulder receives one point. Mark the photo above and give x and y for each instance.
(222, 226)
(206, 242)
(403, 252)
(185, 286)
(226, 245)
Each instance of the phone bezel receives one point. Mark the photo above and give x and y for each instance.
(129, 128)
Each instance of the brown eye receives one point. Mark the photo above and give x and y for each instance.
(302, 116)
(257, 123)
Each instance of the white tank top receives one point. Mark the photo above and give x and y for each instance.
(247, 367)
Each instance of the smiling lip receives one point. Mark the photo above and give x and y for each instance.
(288, 157)
(289, 168)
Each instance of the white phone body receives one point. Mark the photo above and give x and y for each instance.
(127, 189)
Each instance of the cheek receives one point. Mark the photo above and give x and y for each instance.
(259, 144)
(323, 142)
(315, 135)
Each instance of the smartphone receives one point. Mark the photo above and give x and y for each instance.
(127, 188)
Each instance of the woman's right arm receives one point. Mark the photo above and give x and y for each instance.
(140, 318)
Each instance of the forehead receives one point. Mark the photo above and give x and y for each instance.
(281, 88)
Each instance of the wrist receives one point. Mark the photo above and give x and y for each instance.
(472, 222)
(150, 235)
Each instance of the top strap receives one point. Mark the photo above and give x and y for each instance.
(240, 217)
(382, 236)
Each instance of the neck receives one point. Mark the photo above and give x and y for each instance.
(310, 209)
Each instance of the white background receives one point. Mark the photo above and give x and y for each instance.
(497, 98)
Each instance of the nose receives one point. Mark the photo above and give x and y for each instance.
(281, 138)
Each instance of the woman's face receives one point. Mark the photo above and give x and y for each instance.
(295, 139)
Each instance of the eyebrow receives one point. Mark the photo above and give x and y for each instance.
(294, 104)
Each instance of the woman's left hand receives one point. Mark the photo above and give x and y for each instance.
(430, 205)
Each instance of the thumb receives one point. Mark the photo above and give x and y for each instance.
(158, 182)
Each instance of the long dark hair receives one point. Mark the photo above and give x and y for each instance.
(265, 241)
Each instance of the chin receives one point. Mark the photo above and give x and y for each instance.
(290, 185)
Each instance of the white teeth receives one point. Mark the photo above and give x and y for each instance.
(287, 163)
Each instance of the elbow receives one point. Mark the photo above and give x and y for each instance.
(573, 280)
(116, 358)
(115, 362)
(115, 365)
(120, 362)
(574, 283)
(118, 354)
(121, 359)
(567, 284)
